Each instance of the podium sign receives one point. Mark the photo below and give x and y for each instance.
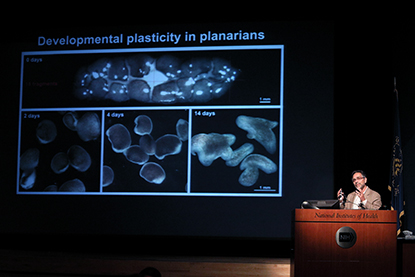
(344, 243)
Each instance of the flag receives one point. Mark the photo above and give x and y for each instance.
(396, 181)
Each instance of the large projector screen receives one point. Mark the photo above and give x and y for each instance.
(178, 130)
(153, 121)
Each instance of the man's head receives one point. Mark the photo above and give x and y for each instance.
(359, 179)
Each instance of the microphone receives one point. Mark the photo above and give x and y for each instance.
(359, 205)
(341, 195)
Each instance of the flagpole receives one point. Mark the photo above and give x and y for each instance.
(395, 90)
(396, 181)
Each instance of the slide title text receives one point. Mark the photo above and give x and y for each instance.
(167, 37)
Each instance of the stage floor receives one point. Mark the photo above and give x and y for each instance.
(38, 264)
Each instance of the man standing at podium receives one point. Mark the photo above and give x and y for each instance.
(363, 197)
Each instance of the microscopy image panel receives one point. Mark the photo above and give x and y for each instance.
(155, 159)
(235, 151)
(165, 79)
(60, 151)
(213, 77)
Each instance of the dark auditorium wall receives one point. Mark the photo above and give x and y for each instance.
(404, 70)
(364, 107)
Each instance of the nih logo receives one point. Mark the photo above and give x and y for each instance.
(345, 237)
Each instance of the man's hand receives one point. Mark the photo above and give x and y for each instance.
(361, 195)
(340, 195)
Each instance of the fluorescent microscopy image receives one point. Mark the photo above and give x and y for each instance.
(46, 131)
(107, 176)
(153, 173)
(227, 159)
(182, 129)
(120, 137)
(239, 154)
(124, 120)
(168, 145)
(28, 179)
(143, 125)
(136, 154)
(74, 185)
(154, 158)
(148, 144)
(70, 119)
(89, 126)
(251, 166)
(72, 152)
(28, 163)
(209, 147)
(79, 158)
(259, 129)
(60, 163)
(165, 80)
(29, 159)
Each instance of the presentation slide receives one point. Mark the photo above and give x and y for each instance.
(153, 122)
(180, 130)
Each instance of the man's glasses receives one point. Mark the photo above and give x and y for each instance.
(357, 178)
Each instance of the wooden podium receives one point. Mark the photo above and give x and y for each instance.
(344, 243)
